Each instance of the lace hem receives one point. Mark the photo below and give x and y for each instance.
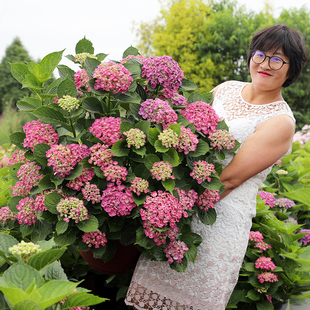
(144, 299)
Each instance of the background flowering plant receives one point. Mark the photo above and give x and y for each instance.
(122, 150)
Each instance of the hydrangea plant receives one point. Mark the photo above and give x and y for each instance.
(125, 150)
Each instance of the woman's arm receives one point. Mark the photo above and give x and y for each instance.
(270, 141)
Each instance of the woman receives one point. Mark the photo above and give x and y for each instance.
(261, 120)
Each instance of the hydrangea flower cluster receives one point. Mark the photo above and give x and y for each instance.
(160, 237)
(165, 71)
(305, 239)
(161, 209)
(117, 200)
(112, 77)
(161, 171)
(256, 236)
(222, 139)
(6, 215)
(269, 197)
(207, 199)
(115, 173)
(187, 199)
(100, 155)
(139, 186)
(262, 246)
(107, 129)
(139, 57)
(281, 172)
(17, 157)
(187, 141)
(135, 137)
(36, 132)
(25, 248)
(168, 138)
(202, 115)
(63, 158)
(264, 263)
(72, 208)
(302, 136)
(29, 176)
(175, 251)
(86, 176)
(68, 103)
(82, 57)
(267, 277)
(202, 171)
(285, 203)
(28, 213)
(95, 238)
(81, 79)
(158, 111)
(178, 99)
(91, 193)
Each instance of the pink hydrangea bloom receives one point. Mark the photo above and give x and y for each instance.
(256, 236)
(29, 176)
(39, 203)
(112, 77)
(222, 139)
(161, 171)
(115, 173)
(269, 298)
(285, 203)
(27, 212)
(187, 141)
(178, 99)
(302, 136)
(202, 171)
(202, 115)
(117, 200)
(81, 79)
(161, 209)
(107, 129)
(135, 137)
(91, 193)
(72, 208)
(175, 251)
(264, 263)
(262, 246)
(17, 157)
(6, 215)
(207, 199)
(139, 186)
(267, 277)
(36, 132)
(100, 156)
(158, 111)
(160, 237)
(95, 238)
(139, 57)
(63, 158)
(269, 197)
(187, 199)
(305, 239)
(78, 183)
(165, 71)
(168, 138)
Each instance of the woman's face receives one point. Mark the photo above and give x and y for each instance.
(265, 77)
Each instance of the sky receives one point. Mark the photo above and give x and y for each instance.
(48, 26)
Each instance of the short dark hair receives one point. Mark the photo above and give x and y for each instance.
(289, 40)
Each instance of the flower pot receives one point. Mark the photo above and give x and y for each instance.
(124, 259)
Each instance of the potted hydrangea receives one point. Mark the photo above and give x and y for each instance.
(123, 152)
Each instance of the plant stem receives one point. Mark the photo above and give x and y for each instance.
(71, 124)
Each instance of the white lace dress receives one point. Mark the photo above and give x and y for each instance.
(208, 284)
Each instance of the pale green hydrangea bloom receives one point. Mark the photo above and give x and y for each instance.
(81, 57)
(25, 248)
(68, 103)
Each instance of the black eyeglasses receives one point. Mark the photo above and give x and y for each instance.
(275, 62)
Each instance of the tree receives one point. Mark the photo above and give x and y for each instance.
(10, 89)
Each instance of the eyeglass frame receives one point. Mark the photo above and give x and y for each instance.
(258, 63)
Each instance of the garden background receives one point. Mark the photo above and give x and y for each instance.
(209, 41)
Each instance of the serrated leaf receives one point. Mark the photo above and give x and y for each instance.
(188, 85)
(66, 87)
(93, 105)
(18, 138)
(51, 200)
(50, 62)
(130, 51)
(88, 225)
(159, 147)
(172, 157)
(194, 97)
(90, 65)
(66, 72)
(49, 115)
(119, 148)
(207, 217)
(169, 185)
(19, 71)
(82, 299)
(84, 46)
(202, 149)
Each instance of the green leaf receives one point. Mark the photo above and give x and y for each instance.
(30, 81)
(51, 200)
(128, 97)
(150, 159)
(179, 267)
(61, 227)
(202, 149)
(119, 148)
(88, 225)
(130, 51)
(220, 155)
(19, 71)
(82, 299)
(66, 87)
(18, 138)
(13, 202)
(46, 183)
(38, 72)
(126, 125)
(207, 217)
(264, 305)
(39, 152)
(172, 157)
(134, 69)
(75, 173)
(90, 65)
(194, 97)
(152, 135)
(188, 85)
(50, 62)
(84, 46)
(169, 185)
(7, 241)
(66, 72)
(301, 195)
(215, 184)
(159, 147)
(29, 104)
(49, 115)
(191, 254)
(221, 125)
(93, 105)
(69, 237)
(144, 126)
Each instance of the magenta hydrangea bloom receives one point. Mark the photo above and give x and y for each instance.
(86, 176)
(269, 197)
(158, 111)
(187, 141)
(160, 237)
(117, 200)
(100, 156)
(115, 173)
(175, 251)
(112, 77)
(264, 263)
(262, 246)
(36, 132)
(139, 57)
(39, 203)
(161, 171)
(222, 139)
(72, 208)
(165, 71)
(208, 199)
(95, 238)
(107, 129)
(139, 186)
(178, 99)
(256, 236)
(267, 277)
(27, 212)
(161, 209)
(91, 193)
(202, 115)
(6, 215)
(17, 157)
(285, 203)
(187, 199)
(202, 171)
(305, 239)
(81, 79)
